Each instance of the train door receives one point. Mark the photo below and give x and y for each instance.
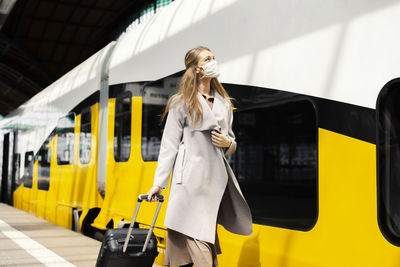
(7, 185)
(4, 165)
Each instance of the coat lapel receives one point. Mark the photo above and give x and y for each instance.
(220, 108)
(209, 120)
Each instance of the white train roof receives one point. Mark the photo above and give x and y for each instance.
(44, 109)
(336, 49)
(62, 95)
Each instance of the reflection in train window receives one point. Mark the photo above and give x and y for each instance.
(65, 139)
(85, 137)
(17, 169)
(276, 157)
(388, 161)
(122, 127)
(155, 97)
(44, 158)
(28, 169)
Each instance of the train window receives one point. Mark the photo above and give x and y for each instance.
(388, 161)
(154, 100)
(122, 126)
(44, 159)
(276, 158)
(28, 169)
(17, 169)
(85, 137)
(65, 140)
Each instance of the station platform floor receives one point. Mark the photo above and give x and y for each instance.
(26, 240)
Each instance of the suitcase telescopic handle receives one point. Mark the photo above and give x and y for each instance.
(160, 199)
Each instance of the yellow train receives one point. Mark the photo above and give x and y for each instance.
(315, 119)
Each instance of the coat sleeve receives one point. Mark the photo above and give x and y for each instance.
(232, 148)
(169, 146)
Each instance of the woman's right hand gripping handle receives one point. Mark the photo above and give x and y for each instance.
(151, 195)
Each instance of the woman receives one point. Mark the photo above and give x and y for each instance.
(204, 191)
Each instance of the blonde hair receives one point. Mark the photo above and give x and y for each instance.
(187, 88)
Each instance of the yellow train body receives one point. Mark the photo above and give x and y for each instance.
(346, 232)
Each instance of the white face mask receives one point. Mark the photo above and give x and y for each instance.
(210, 69)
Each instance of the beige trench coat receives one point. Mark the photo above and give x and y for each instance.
(201, 173)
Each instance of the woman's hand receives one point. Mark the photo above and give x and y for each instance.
(152, 192)
(220, 140)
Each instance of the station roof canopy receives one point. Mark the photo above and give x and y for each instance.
(40, 40)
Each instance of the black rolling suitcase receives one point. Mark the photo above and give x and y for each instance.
(130, 246)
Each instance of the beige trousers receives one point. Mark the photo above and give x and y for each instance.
(182, 249)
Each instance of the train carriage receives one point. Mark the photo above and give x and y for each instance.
(315, 117)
